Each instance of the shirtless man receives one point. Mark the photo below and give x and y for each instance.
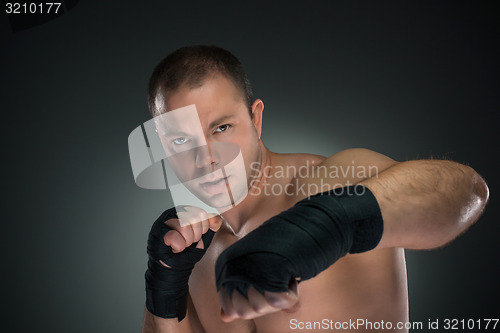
(424, 204)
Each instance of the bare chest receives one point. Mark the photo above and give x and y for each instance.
(371, 285)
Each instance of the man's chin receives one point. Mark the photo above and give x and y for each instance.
(221, 207)
(221, 202)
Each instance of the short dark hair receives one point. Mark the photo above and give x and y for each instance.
(191, 66)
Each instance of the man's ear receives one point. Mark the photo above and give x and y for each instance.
(257, 109)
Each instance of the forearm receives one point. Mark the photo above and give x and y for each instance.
(154, 324)
(427, 203)
(168, 273)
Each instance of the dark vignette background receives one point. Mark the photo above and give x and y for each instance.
(407, 79)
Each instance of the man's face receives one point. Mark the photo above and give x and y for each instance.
(202, 143)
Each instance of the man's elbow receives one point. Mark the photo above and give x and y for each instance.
(474, 203)
(465, 211)
(479, 196)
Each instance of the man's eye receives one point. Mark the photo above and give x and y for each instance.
(180, 141)
(222, 128)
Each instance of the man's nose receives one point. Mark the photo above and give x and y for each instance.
(204, 157)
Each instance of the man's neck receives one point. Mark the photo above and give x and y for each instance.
(236, 217)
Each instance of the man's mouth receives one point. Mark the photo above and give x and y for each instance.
(215, 187)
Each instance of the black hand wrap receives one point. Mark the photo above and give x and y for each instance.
(167, 288)
(302, 241)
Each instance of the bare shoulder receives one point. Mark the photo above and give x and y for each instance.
(297, 159)
(344, 168)
(351, 166)
(360, 157)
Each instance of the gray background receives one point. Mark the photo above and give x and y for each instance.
(407, 79)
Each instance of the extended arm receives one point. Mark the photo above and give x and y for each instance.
(423, 204)
(427, 203)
